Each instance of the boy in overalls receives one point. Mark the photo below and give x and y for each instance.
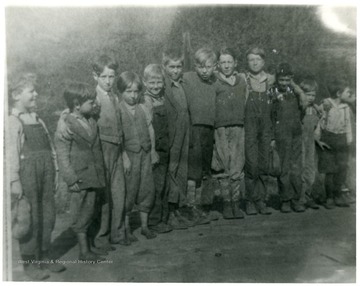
(258, 132)
(32, 160)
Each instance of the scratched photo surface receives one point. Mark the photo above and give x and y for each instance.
(309, 245)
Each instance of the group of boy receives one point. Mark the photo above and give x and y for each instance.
(165, 150)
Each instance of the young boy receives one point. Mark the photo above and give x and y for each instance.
(154, 100)
(81, 162)
(112, 200)
(258, 131)
(139, 153)
(310, 120)
(200, 88)
(32, 160)
(334, 135)
(286, 119)
(229, 151)
(178, 125)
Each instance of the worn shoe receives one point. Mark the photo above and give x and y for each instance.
(262, 208)
(148, 233)
(286, 207)
(175, 223)
(298, 207)
(349, 197)
(34, 272)
(340, 201)
(329, 204)
(98, 251)
(161, 228)
(214, 215)
(228, 211)
(200, 216)
(54, 267)
(184, 220)
(250, 208)
(90, 256)
(310, 204)
(238, 213)
(131, 237)
(106, 247)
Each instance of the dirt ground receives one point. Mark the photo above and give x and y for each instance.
(315, 246)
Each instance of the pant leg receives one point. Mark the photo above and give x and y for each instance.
(195, 156)
(146, 193)
(111, 154)
(31, 184)
(160, 183)
(236, 139)
(82, 206)
(48, 204)
(132, 181)
(220, 161)
(207, 145)
(251, 157)
(296, 166)
(341, 157)
(118, 194)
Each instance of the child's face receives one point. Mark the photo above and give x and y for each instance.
(256, 63)
(131, 94)
(106, 79)
(174, 69)
(310, 97)
(154, 85)
(227, 65)
(87, 107)
(283, 82)
(344, 95)
(206, 70)
(26, 100)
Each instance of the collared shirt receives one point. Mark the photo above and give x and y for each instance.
(336, 118)
(260, 82)
(230, 79)
(16, 139)
(105, 95)
(132, 108)
(179, 93)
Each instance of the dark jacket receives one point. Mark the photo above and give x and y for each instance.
(81, 157)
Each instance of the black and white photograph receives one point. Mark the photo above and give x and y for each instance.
(179, 142)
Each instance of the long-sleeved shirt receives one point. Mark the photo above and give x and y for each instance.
(16, 138)
(335, 119)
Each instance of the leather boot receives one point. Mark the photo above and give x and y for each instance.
(228, 211)
(237, 212)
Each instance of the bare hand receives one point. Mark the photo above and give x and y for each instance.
(323, 145)
(56, 181)
(155, 158)
(273, 144)
(75, 187)
(126, 163)
(16, 189)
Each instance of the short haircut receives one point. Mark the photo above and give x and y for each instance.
(256, 51)
(21, 81)
(284, 69)
(203, 55)
(127, 79)
(227, 51)
(337, 85)
(103, 61)
(309, 84)
(172, 54)
(153, 71)
(77, 93)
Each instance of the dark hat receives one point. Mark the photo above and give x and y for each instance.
(284, 69)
